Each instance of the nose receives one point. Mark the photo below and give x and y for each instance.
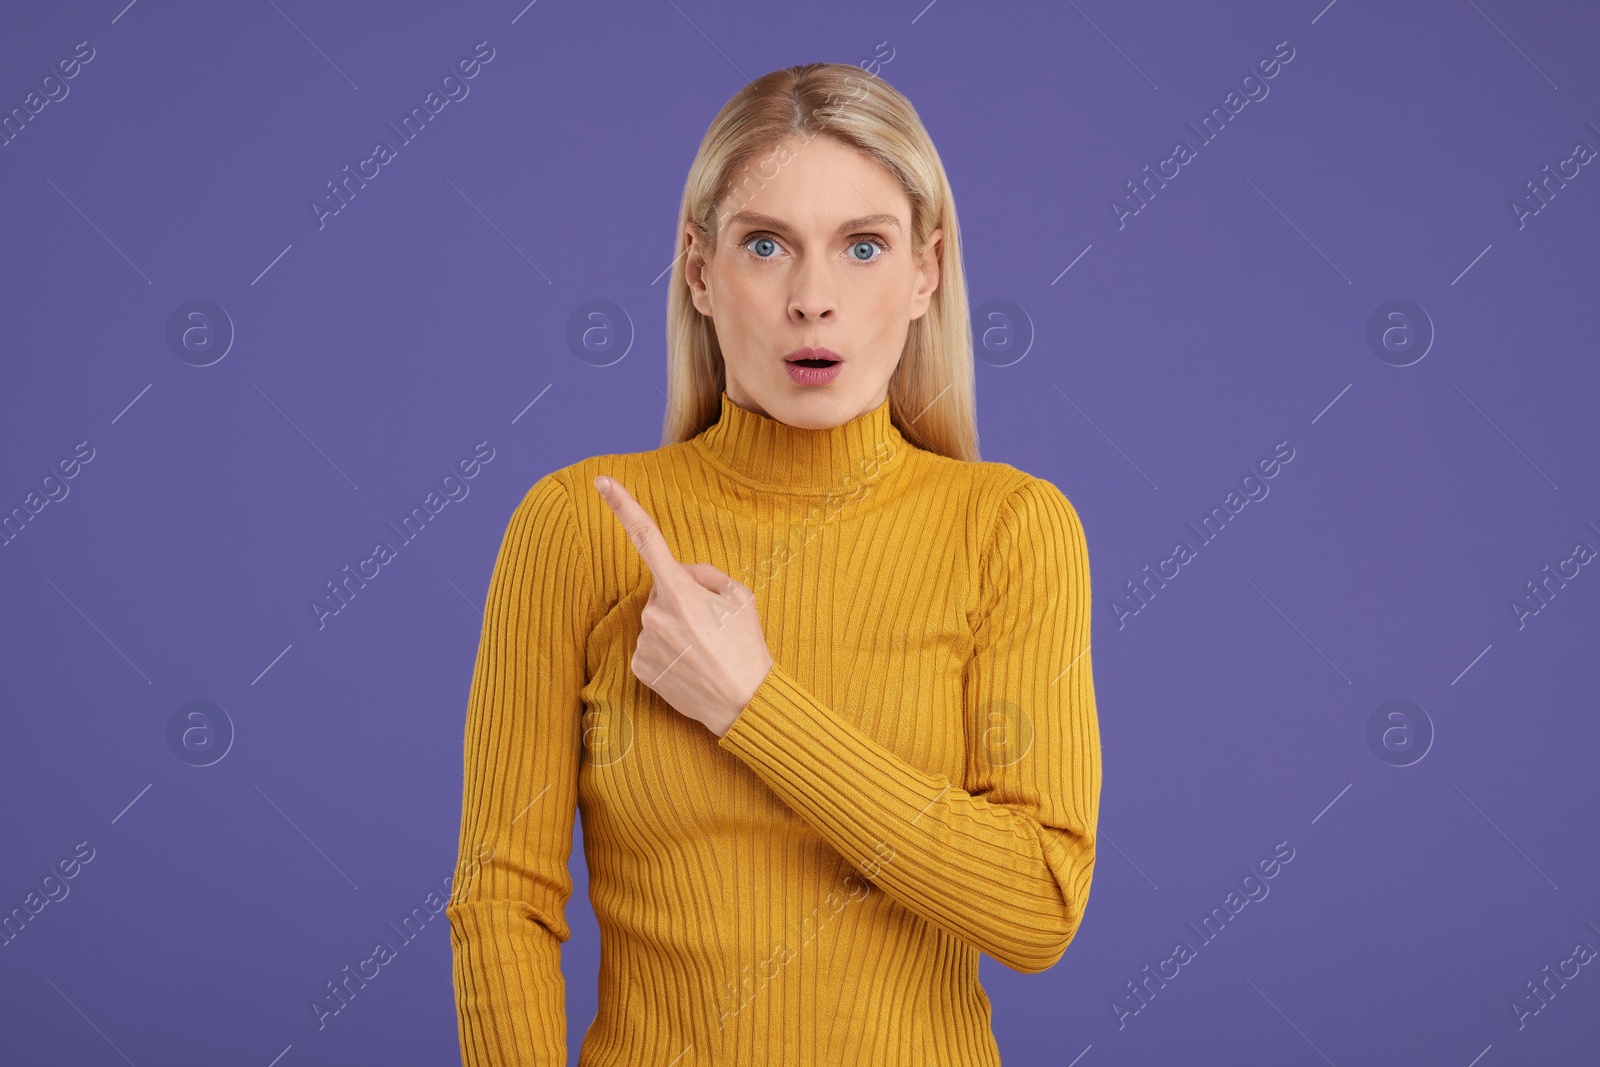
(812, 298)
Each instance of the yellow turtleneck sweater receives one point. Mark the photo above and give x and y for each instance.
(916, 781)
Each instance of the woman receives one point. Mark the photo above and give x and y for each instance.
(817, 677)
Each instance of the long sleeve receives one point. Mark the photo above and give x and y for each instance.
(1004, 864)
(520, 779)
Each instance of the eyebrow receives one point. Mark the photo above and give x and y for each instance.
(755, 218)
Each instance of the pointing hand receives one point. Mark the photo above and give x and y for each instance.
(701, 647)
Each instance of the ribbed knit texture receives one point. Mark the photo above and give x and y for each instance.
(916, 781)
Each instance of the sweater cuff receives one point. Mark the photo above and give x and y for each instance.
(780, 713)
(776, 699)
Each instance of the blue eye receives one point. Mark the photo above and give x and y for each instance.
(772, 246)
(867, 242)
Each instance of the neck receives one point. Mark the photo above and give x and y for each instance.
(780, 457)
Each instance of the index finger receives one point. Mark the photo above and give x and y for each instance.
(642, 530)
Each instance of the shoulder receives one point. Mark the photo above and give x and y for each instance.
(1033, 539)
(1000, 495)
(570, 489)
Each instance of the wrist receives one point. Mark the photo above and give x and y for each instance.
(731, 718)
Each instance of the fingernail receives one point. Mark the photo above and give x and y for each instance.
(603, 484)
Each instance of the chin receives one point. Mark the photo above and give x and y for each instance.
(818, 407)
(814, 407)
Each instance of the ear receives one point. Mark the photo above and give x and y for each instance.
(928, 273)
(694, 271)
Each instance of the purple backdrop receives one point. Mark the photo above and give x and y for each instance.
(222, 383)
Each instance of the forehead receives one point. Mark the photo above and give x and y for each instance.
(816, 186)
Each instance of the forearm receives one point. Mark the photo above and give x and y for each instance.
(510, 995)
(987, 872)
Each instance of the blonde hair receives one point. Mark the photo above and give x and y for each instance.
(931, 394)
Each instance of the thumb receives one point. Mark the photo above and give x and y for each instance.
(733, 596)
(713, 579)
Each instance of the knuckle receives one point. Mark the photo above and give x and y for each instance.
(639, 532)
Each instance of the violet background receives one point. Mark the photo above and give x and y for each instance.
(1228, 315)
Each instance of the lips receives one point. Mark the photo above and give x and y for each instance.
(813, 356)
(813, 366)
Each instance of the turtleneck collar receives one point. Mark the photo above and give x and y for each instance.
(784, 458)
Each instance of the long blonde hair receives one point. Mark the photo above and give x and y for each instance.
(931, 394)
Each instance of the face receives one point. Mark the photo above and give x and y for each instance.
(816, 256)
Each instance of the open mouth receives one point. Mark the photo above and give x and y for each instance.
(813, 356)
(813, 365)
